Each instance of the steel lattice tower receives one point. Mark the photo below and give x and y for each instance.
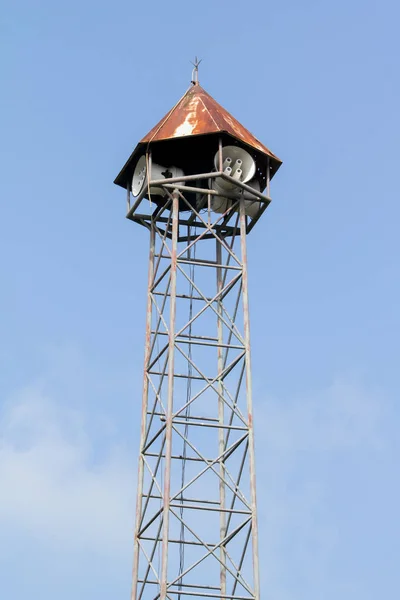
(196, 520)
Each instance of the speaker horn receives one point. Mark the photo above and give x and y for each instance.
(139, 179)
(237, 163)
(219, 204)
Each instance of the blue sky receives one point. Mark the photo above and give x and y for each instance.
(318, 83)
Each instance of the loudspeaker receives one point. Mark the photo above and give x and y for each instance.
(237, 163)
(219, 204)
(240, 165)
(139, 179)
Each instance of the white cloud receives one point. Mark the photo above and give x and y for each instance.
(62, 486)
(53, 485)
(303, 447)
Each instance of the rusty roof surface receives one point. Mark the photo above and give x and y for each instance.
(197, 113)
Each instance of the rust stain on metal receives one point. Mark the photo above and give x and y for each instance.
(197, 113)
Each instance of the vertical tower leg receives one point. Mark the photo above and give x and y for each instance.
(170, 398)
(147, 353)
(249, 399)
(221, 431)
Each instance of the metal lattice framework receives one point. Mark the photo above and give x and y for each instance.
(196, 521)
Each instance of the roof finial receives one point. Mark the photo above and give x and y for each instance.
(195, 72)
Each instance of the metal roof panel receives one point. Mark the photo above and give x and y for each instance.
(197, 113)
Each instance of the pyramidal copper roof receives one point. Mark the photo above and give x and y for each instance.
(197, 113)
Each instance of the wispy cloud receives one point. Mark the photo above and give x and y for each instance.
(61, 486)
(54, 486)
(304, 446)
